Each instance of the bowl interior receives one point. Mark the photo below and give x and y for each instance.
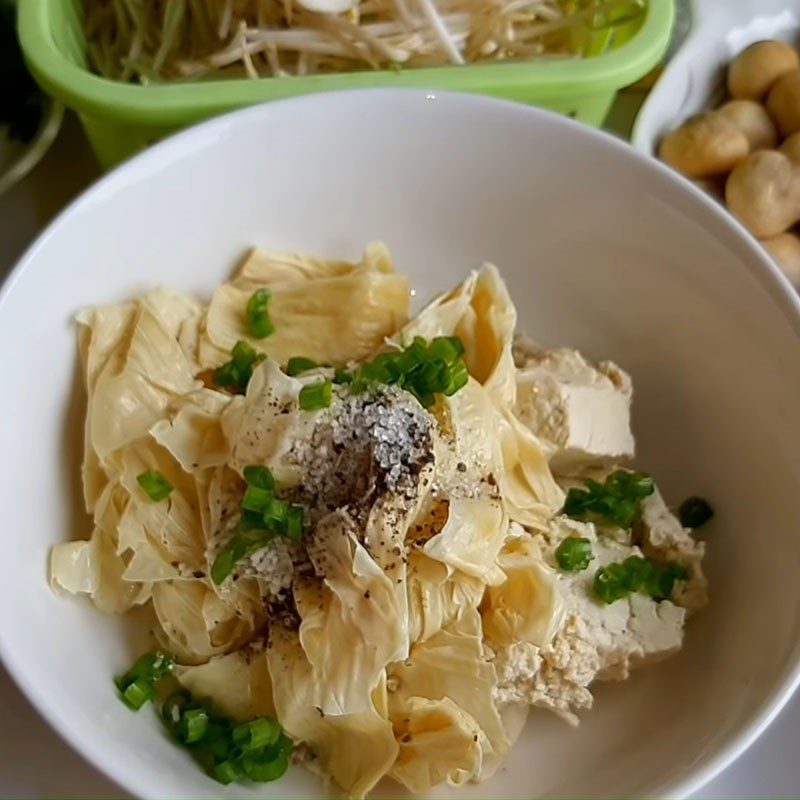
(601, 249)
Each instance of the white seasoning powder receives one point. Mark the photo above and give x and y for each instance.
(364, 446)
(363, 449)
(273, 565)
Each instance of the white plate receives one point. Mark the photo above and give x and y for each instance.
(602, 248)
(693, 81)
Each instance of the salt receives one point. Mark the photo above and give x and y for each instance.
(363, 446)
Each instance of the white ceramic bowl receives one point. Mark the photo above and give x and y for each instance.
(602, 249)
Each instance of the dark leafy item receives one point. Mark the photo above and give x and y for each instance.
(637, 574)
(694, 512)
(227, 750)
(618, 499)
(574, 554)
(264, 517)
(236, 373)
(21, 101)
(259, 324)
(423, 368)
(155, 485)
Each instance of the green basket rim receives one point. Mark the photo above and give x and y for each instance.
(178, 104)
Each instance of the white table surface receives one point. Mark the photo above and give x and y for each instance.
(35, 762)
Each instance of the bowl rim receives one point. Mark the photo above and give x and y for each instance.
(760, 266)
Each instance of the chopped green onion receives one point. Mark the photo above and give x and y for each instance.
(457, 379)
(263, 517)
(155, 485)
(227, 750)
(228, 376)
(299, 365)
(194, 725)
(384, 368)
(226, 559)
(137, 693)
(151, 666)
(342, 376)
(662, 580)
(228, 771)
(259, 324)
(610, 583)
(245, 541)
(694, 512)
(243, 355)
(428, 378)
(574, 554)
(423, 368)
(263, 770)
(257, 499)
(260, 477)
(637, 574)
(426, 399)
(315, 396)
(137, 685)
(636, 484)
(285, 744)
(447, 348)
(172, 710)
(617, 500)
(294, 523)
(404, 362)
(276, 513)
(256, 734)
(251, 520)
(225, 562)
(236, 373)
(218, 739)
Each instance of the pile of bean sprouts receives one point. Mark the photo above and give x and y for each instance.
(148, 41)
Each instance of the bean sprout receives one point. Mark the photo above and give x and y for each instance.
(149, 41)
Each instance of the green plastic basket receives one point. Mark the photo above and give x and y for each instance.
(121, 119)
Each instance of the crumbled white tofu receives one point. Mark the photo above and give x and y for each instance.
(555, 678)
(597, 641)
(580, 411)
